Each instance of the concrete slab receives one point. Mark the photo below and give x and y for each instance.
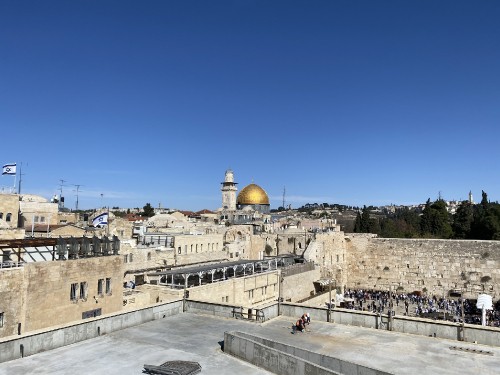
(192, 337)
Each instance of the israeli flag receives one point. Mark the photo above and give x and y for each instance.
(9, 169)
(100, 220)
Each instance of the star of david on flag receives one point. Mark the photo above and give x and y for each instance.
(100, 220)
(9, 169)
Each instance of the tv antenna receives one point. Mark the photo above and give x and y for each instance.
(77, 189)
(61, 198)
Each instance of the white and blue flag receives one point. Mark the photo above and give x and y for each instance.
(100, 220)
(9, 168)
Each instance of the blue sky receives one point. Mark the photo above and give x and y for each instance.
(352, 102)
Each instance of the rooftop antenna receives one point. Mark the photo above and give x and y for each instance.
(77, 189)
(61, 198)
(21, 174)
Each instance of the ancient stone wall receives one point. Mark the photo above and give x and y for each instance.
(12, 300)
(39, 213)
(245, 291)
(299, 286)
(47, 290)
(430, 266)
(9, 204)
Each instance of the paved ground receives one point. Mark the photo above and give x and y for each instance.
(197, 338)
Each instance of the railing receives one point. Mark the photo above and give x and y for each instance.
(11, 264)
(249, 314)
(297, 268)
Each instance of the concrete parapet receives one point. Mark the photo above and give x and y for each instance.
(14, 347)
(402, 324)
(231, 311)
(316, 313)
(281, 358)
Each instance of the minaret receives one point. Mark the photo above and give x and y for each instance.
(471, 200)
(229, 191)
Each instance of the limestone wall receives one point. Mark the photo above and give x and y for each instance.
(9, 204)
(299, 286)
(243, 291)
(329, 252)
(47, 288)
(431, 266)
(39, 212)
(12, 301)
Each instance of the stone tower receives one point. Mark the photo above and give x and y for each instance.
(471, 200)
(229, 191)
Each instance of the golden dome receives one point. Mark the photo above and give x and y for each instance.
(252, 194)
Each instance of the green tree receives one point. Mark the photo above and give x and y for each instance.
(462, 220)
(357, 223)
(148, 210)
(365, 220)
(486, 222)
(435, 222)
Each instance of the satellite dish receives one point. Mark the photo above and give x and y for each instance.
(484, 301)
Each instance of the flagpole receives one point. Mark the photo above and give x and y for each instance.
(107, 226)
(20, 178)
(15, 177)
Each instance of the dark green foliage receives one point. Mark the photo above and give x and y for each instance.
(404, 223)
(365, 220)
(480, 221)
(486, 220)
(435, 221)
(357, 223)
(462, 220)
(148, 210)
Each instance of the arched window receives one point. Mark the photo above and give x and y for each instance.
(8, 217)
(1, 215)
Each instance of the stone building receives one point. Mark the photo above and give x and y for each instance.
(9, 217)
(41, 294)
(251, 206)
(9, 210)
(37, 210)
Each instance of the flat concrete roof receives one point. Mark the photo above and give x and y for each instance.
(196, 337)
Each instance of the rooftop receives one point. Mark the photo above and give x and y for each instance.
(198, 338)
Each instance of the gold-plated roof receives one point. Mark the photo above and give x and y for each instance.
(252, 194)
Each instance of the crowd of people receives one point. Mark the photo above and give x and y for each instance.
(416, 304)
(300, 324)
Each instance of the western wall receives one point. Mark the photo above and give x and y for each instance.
(435, 267)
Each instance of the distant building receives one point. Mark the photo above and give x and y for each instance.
(251, 206)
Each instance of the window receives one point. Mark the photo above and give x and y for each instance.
(83, 290)
(36, 219)
(149, 256)
(130, 257)
(8, 217)
(201, 247)
(185, 249)
(191, 248)
(1, 215)
(108, 285)
(179, 250)
(1, 319)
(42, 219)
(74, 292)
(125, 259)
(100, 285)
